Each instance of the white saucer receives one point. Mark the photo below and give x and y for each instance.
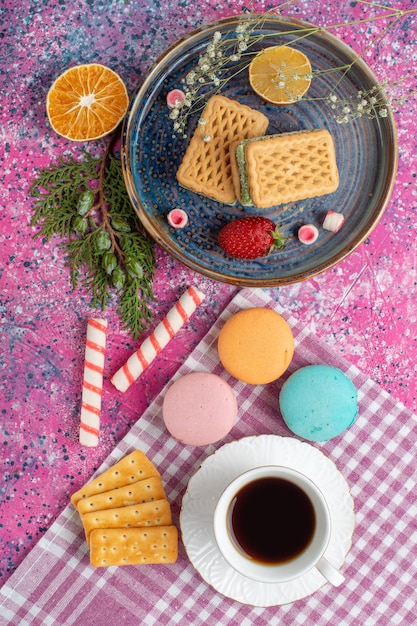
(219, 469)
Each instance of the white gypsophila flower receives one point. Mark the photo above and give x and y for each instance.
(206, 138)
(243, 37)
(241, 28)
(203, 60)
(202, 121)
(211, 72)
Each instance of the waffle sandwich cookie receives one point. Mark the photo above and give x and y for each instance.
(276, 169)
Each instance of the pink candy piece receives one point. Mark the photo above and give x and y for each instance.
(177, 218)
(174, 96)
(158, 339)
(95, 348)
(333, 221)
(308, 234)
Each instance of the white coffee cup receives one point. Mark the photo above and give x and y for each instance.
(291, 543)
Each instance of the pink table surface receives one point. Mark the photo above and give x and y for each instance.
(365, 308)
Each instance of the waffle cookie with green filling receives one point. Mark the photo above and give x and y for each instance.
(276, 169)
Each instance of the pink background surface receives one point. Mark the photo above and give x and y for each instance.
(365, 307)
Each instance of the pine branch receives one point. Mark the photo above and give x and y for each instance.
(107, 250)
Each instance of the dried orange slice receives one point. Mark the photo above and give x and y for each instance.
(86, 102)
(280, 74)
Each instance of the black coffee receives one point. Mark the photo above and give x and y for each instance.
(272, 520)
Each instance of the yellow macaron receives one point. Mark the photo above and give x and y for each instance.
(256, 345)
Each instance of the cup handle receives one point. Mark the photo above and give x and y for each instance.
(329, 572)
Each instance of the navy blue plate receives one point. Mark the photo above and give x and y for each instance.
(366, 152)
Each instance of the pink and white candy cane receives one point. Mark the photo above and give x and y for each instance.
(159, 338)
(95, 348)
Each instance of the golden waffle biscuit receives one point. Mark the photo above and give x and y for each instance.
(156, 513)
(133, 467)
(141, 491)
(205, 167)
(133, 546)
(290, 167)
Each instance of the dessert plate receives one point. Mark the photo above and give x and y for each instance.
(217, 471)
(366, 152)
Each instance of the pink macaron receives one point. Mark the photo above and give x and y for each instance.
(199, 408)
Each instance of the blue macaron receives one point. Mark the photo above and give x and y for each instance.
(318, 402)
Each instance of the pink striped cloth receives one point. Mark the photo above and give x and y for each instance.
(56, 585)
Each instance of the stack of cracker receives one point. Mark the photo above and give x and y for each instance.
(126, 515)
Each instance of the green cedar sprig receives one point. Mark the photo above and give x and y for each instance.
(86, 204)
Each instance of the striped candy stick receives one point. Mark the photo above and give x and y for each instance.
(95, 349)
(159, 338)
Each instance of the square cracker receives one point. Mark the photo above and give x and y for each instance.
(205, 167)
(133, 546)
(135, 493)
(156, 513)
(133, 467)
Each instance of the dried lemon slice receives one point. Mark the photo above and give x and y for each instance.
(86, 102)
(280, 74)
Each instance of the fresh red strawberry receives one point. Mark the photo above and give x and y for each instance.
(250, 237)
